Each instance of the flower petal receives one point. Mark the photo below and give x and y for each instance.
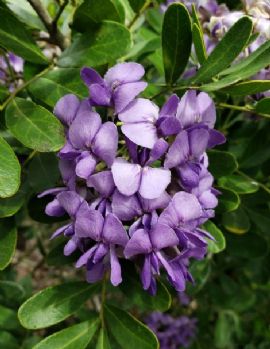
(125, 93)
(102, 182)
(140, 110)
(163, 236)
(66, 108)
(170, 107)
(187, 111)
(91, 76)
(154, 182)
(178, 151)
(198, 140)
(125, 207)
(124, 72)
(89, 223)
(100, 95)
(186, 206)
(138, 244)
(114, 232)
(141, 133)
(86, 165)
(70, 201)
(116, 275)
(207, 110)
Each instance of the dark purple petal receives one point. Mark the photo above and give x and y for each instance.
(114, 232)
(100, 95)
(159, 149)
(215, 138)
(146, 273)
(89, 223)
(169, 126)
(170, 107)
(154, 182)
(163, 236)
(54, 209)
(60, 231)
(90, 76)
(125, 207)
(116, 275)
(86, 256)
(66, 108)
(70, 201)
(95, 272)
(178, 151)
(102, 182)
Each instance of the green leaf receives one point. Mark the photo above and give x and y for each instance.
(54, 304)
(8, 319)
(176, 41)
(57, 83)
(132, 288)
(34, 126)
(248, 88)
(200, 271)
(236, 222)
(126, 329)
(226, 326)
(8, 341)
(137, 5)
(10, 206)
(103, 340)
(227, 201)
(56, 257)
(8, 240)
(238, 184)
(226, 50)
(263, 106)
(91, 13)
(14, 37)
(10, 170)
(43, 172)
(221, 163)
(74, 337)
(248, 246)
(199, 45)
(219, 243)
(11, 292)
(109, 42)
(260, 218)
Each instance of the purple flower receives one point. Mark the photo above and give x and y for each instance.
(106, 233)
(121, 84)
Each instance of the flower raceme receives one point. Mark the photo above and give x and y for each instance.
(139, 191)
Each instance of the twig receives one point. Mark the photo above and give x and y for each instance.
(60, 11)
(245, 108)
(144, 8)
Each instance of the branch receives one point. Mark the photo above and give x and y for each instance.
(60, 11)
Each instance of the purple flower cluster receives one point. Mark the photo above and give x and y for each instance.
(173, 333)
(141, 190)
(11, 68)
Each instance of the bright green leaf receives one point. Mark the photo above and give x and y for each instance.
(221, 163)
(227, 201)
(238, 184)
(103, 340)
(248, 88)
(10, 206)
(34, 126)
(74, 337)
(263, 106)
(54, 304)
(126, 329)
(57, 83)
(219, 244)
(109, 42)
(176, 41)
(236, 222)
(226, 51)
(199, 43)
(8, 240)
(10, 170)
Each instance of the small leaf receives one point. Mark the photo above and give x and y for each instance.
(248, 246)
(176, 41)
(8, 319)
(34, 126)
(226, 50)
(219, 244)
(225, 328)
(199, 43)
(109, 42)
(54, 304)
(103, 340)
(8, 240)
(248, 88)
(15, 37)
(221, 163)
(10, 206)
(227, 201)
(57, 83)
(263, 106)
(260, 218)
(10, 170)
(236, 222)
(126, 329)
(8, 341)
(11, 292)
(238, 184)
(132, 288)
(137, 5)
(74, 337)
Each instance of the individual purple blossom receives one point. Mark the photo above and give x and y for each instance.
(12, 78)
(172, 332)
(120, 85)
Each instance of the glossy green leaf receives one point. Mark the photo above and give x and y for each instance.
(263, 106)
(74, 337)
(126, 329)
(8, 319)
(238, 184)
(248, 88)
(176, 41)
(219, 244)
(199, 43)
(227, 201)
(221, 163)
(54, 304)
(8, 240)
(248, 246)
(236, 222)
(43, 171)
(15, 37)
(8, 341)
(226, 50)
(10, 170)
(103, 340)
(10, 206)
(34, 126)
(91, 13)
(57, 83)
(132, 288)
(109, 42)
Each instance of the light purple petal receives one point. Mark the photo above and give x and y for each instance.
(105, 143)
(141, 133)
(140, 110)
(70, 247)
(114, 232)
(215, 138)
(86, 165)
(60, 231)
(178, 151)
(187, 206)
(126, 176)
(52, 191)
(89, 223)
(100, 95)
(198, 140)
(54, 209)
(146, 274)
(66, 108)
(102, 182)
(124, 94)
(138, 244)
(207, 110)
(163, 236)
(85, 257)
(116, 275)
(83, 129)
(125, 207)
(70, 201)
(90, 76)
(170, 107)
(160, 203)
(187, 111)
(208, 200)
(123, 73)
(154, 182)
(95, 273)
